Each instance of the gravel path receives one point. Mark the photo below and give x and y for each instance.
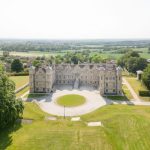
(93, 102)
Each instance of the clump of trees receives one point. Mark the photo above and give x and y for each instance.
(10, 107)
(132, 62)
(17, 65)
(146, 76)
(77, 57)
(149, 50)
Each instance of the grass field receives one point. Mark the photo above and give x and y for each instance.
(137, 85)
(105, 54)
(20, 80)
(71, 100)
(124, 128)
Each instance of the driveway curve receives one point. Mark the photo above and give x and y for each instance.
(93, 101)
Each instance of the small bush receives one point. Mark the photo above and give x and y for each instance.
(144, 93)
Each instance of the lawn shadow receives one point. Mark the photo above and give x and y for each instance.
(5, 135)
(44, 98)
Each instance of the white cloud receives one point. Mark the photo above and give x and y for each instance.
(74, 19)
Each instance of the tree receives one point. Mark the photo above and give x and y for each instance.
(149, 50)
(16, 65)
(96, 58)
(1, 68)
(135, 63)
(133, 54)
(146, 76)
(36, 63)
(132, 62)
(10, 107)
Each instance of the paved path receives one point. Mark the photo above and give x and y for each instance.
(131, 103)
(22, 96)
(135, 96)
(93, 102)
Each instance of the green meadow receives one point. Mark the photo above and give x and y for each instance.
(125, 127)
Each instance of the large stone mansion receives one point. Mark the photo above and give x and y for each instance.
(106, 77)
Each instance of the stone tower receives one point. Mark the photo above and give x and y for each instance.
(41, 79)
(101, 80)
(119, 80)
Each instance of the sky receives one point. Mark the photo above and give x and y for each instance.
(75, 19)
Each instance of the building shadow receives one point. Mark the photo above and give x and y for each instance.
(5, 135)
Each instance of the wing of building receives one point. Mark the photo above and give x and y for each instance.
(106, 77)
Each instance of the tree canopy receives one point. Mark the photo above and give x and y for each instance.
(1, 68)
(132, 62)
(146, 76)
(17, 65)
(10, 107)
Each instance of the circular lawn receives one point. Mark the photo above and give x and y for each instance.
(71, 100)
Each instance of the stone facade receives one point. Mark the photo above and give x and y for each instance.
(106, 77)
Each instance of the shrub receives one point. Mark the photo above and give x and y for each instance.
(144, 93)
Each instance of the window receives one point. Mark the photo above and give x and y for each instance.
(114, 85)
(114, 90)
(106, 78)
(106, 84)
(106, 90)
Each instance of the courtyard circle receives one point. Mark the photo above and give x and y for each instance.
(71, 100)
(93, 100)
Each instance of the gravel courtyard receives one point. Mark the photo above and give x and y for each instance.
(92, 96)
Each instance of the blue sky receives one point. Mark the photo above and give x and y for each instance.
(75, 19)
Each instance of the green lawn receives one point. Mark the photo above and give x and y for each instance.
(137, 85)
(19, 94)
(71, 100)
(20, 80)
(127, 92)
(124, 128)
(116, 97)
(35, 95)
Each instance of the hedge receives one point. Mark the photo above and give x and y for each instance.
(19, 74)
(144, 93)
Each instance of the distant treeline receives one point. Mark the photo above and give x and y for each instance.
(59, 45)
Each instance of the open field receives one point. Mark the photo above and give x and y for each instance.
(20, 80)
(137, 85)
(35, 53)
(71, 100)
(124, 128)
(104, 54)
